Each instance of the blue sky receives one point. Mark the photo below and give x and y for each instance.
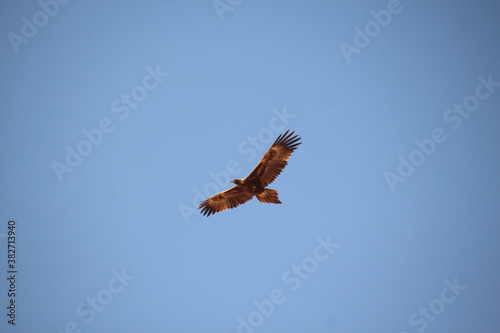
(117, 119)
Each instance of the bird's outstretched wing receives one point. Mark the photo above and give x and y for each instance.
(275, 159)
(231, 198)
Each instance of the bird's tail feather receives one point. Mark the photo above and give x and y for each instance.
(270, 196)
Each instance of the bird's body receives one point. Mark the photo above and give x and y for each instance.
(271, 165)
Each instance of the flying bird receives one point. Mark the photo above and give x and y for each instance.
(271, 165)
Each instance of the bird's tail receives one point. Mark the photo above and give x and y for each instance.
(270, 196)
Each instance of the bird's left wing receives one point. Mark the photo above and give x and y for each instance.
(231, 198)
(276, 158)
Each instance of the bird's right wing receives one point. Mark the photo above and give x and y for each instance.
(231, 198)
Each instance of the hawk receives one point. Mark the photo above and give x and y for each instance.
(271, 165)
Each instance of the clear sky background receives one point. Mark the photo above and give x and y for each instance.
(116, 117)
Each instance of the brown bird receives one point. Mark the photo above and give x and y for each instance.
(264, 174)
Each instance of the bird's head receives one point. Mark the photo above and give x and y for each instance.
(237, 181)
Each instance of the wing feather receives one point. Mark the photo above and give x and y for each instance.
(231, 198)
(275, 160)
